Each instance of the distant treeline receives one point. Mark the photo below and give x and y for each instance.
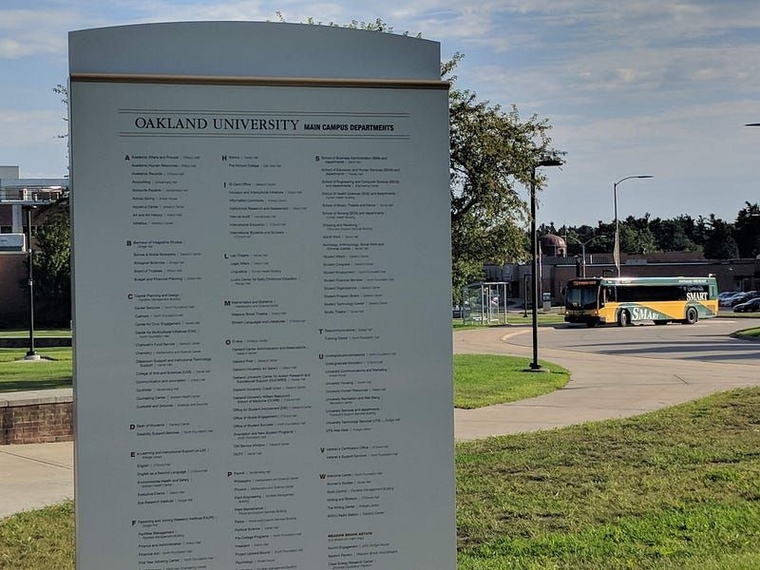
(713, 237)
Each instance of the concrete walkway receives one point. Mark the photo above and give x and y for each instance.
(35, 475)
(601, 387)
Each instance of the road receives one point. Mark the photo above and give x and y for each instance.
(615, 372)
(708, 340)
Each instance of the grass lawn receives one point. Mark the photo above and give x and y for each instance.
(516, 318)
(52, 372)
(484, 380)
(729, 314)
(479, 380)
(24, 333)
(677, 489)
(38, 540)
(674, 489)
(749, 333)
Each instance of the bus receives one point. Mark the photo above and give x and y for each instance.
(628, 300)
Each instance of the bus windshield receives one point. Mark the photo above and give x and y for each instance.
(581, 297)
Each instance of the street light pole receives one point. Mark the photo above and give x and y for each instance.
(30, 354)
(548, 161)
(616, 253)
(583, 245)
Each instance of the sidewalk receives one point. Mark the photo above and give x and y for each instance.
(35, 475)
(601, 387)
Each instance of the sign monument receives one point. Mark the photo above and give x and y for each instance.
(262, 294)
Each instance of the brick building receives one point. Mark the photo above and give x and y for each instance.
(556, 270)
(18, 196)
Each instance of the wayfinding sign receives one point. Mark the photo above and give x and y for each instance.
(261, 271)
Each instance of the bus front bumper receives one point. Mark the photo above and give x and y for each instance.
(584, 318)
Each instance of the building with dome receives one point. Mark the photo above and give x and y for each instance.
(553, 245)
(556, 269)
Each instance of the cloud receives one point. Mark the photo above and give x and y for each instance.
(28, 33)
(22, 128)
(628, 85)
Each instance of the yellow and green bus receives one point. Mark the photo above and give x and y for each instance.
(628, 300)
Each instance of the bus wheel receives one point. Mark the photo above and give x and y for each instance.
(624, 318)
(691, 316)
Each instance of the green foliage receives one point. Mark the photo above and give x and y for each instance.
(474, 242)
(52, 268)
(493, 154)
(483, 380)
(38, 540)
(720, 243)
(464, 270)
(63, 92)
(674, 235)
(374, 26)
(747, 230)
(715, 238)
(53, 371)
(677, 488)
(636, 237)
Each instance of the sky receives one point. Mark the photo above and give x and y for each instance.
(644, 87)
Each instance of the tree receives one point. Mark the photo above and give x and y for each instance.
(52, 267)
(640, 235)
(748, 230)
(673, 235)
(719, 243)
(636, 237)
(605, 241)
(52, 257)
(492, 154)
(579, 239)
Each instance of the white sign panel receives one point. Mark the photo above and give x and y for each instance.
(262, 336)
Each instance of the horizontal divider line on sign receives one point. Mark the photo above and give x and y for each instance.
(259, 81)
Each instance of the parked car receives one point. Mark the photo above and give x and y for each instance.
(751, 306)
(743, 298)
(725, 295)
(737, 299)
(725, 299)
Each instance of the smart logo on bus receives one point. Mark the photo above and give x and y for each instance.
(696, 296)
(645, 314)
